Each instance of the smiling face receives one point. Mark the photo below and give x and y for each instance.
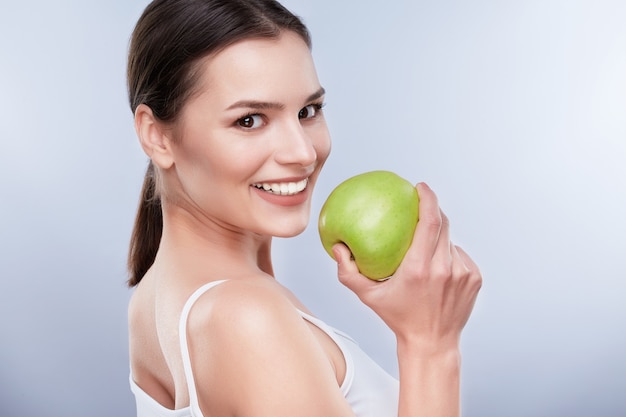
(249, 146)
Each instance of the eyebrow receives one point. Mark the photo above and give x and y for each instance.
(264, 105)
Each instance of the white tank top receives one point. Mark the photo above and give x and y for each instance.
(370, 391)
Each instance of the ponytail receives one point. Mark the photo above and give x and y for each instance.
(146, 236)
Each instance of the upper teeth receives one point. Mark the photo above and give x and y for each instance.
(283, 188)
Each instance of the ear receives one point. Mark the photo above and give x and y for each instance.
(153, 137)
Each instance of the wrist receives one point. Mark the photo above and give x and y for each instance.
(428, 348)
(429, 378)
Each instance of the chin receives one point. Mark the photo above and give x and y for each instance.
(290, 229)
(286, 235)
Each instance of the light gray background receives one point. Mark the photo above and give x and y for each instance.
(513, 111)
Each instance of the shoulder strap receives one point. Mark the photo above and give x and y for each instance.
(184, 346)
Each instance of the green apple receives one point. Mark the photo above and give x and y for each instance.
(374, 214)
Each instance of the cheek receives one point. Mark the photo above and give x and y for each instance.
(195, 168)
(322, 145)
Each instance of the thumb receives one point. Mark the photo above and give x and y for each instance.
(347, 270)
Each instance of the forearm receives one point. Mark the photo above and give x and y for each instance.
(429, 381)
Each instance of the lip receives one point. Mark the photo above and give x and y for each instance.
(284, 179)
(285, 200)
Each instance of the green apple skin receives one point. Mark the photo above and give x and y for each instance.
(375, 215)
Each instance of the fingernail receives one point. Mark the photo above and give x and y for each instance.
(423, 185)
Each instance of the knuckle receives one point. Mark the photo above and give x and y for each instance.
(344, 274)
(476, 280)
(472, 280)
(417, 271)
(442, 271)
(431, 221)
(445, 221)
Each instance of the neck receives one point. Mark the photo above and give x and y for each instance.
(202, 246)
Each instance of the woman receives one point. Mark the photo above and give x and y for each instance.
(228, 108)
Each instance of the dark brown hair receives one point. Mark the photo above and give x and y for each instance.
(170, 38)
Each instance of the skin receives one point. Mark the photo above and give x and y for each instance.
(255, 120)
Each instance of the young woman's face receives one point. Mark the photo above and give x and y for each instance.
(251, 144)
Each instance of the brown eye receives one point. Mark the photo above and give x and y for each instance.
(252, 121)
(309, 111)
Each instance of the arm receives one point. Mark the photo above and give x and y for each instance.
(426, 304)
(429, 382)
(253, 355)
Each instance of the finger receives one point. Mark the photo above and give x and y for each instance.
(428, 227)
(459, 270)
(347, 270)
(443, 251)
(474, 272)
(466, 259)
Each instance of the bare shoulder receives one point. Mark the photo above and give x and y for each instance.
(241, 308)
(253, 354)
(139, 306)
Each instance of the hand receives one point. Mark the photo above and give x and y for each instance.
(431, 295)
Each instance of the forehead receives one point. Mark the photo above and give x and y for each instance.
(261, 68)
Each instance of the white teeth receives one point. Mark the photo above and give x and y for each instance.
(285, 188)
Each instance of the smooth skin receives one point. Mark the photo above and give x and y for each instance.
(256, 120)
(426, 304)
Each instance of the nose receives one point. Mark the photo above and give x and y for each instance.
(295, 146)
